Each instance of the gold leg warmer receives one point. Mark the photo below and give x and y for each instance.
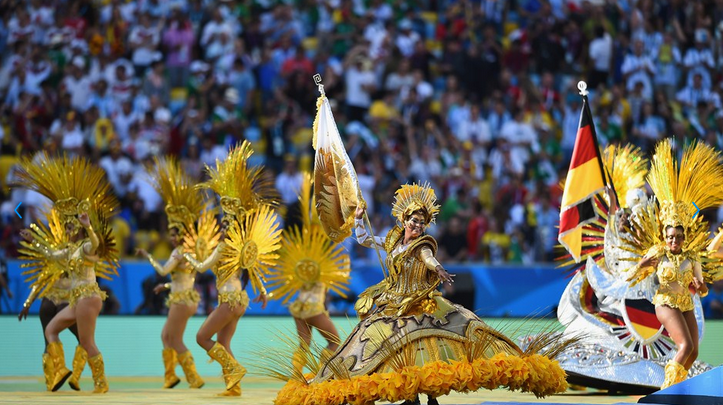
(60, 372)
(189, 368)
(230, 366)
(98, 369)
(674, 373)
(48, 371)
(170, 379)
(79, 360)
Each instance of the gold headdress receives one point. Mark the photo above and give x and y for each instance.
(308, 256)
(73, 184)
(699, 180)
(410, 198)
(627, 168)
(183, 202)
(76, 187)
(242, 189)
(251, 245)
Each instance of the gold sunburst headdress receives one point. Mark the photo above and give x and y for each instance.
(414, 197)
(73, 184)
(76, 187)
(308, 256)
(251, 245)
(242, 188)
(183, 201)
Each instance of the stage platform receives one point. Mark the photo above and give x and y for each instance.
(256, 390)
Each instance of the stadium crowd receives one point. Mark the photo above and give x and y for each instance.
(477, 97)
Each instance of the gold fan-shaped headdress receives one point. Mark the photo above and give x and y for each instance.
(308, 256)
(410, 198)
(627, 167)
(242, 188)
(73, 184)
(251, 245)
(699, 180)
(183, 201)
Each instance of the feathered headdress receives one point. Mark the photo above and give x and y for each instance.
(308, 256)
(243, 189)
(627, 168)
(73, 184)
(414, 197)
(699, 180)
(183, 201)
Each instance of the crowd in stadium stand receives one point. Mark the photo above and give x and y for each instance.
(477, 97)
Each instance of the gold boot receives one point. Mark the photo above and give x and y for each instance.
(98, 369)
(673, 373)
(48, 371)
(189, 368)
(60, 372)
(79, 360)
(230, 366)
(170, 379)
(235, 391)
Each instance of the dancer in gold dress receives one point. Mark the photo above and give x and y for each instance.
(82, 197)
(310, 265)
(672, 242)
(183, 206)
(412, 341)
(249, 237)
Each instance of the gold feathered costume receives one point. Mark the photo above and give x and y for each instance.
(412, 341)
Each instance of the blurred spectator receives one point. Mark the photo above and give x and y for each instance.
(453, 242)
(713, 303)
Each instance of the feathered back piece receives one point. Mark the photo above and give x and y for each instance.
(410, 198)
(699, 180)
(251, 245)
(73, 184)
(242, 188)
(308, 256)
(43, 271)
(627, 167)
(183, 201)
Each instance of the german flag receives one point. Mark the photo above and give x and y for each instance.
(584, 179)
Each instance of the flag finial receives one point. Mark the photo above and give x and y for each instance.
(582, 86)
(317, 82)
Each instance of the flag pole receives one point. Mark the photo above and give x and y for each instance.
(360, 197)
(582, 86)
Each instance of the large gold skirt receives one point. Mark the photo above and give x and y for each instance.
(437, 348)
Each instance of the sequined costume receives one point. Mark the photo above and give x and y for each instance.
(698, 178)
(77, 188)
(248, 248)
(411, 340)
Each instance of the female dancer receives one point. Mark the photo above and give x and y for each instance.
(247, 239)
(672, 240)
(54, 300)
(310, 265)
(411, 340)
(183, 204)
(77, 189)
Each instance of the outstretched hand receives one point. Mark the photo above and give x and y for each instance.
(444, 276)
(23, 313)
(26, 235)
(159, 289)
(142, 252)
(263, 299)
